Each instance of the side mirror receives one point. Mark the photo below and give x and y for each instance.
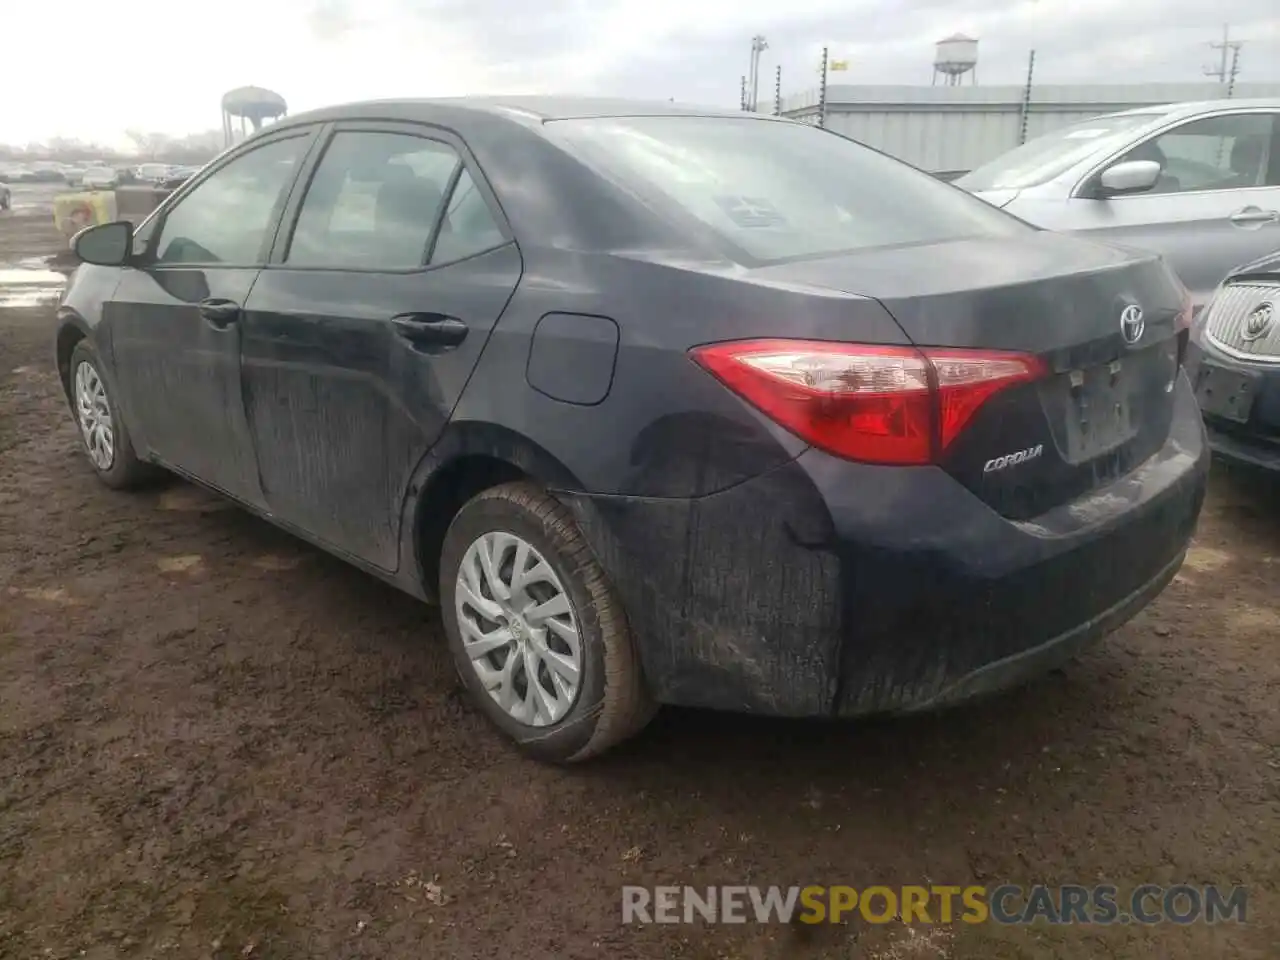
(1128, 176)
(106, 244)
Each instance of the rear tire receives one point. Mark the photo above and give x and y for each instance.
(590, 693)
(104, 438)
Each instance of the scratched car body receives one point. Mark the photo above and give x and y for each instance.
(661, 405)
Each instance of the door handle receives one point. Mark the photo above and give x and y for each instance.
(1251, 214)
(430, 329)
(219, 313)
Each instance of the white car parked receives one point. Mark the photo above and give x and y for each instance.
(152, 172)
(1198, 183)
(100, 178)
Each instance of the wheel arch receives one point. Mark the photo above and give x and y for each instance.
(72, 328)
(469, 458)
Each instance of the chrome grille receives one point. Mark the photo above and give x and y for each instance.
(1228, 323)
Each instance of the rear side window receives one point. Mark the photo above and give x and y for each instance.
(468, 227)
(373, 202)
(377, 199)
(776, 190)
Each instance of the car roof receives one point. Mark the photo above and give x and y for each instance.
(531, 110)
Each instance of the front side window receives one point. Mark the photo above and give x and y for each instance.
(373, 202)
(1214, 153)
(777, 190)
(227, 218)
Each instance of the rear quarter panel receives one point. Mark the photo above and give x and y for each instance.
(666, 428)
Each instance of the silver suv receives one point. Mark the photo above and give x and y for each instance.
(1196, 182)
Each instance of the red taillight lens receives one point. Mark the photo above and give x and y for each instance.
(877, 404)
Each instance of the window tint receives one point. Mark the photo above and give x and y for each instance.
(468, 226)
(226, 218)
(373, 202)
(1215, 153)
(779, 190)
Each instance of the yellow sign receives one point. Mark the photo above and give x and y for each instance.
(72, 212)
(838, 65)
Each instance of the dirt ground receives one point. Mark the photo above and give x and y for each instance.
(216, 742)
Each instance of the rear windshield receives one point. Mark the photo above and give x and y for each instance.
(779, 191)
(1040, 160)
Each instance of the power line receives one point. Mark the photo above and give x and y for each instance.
(758, 46)
(1229, 59)
(1235, 69)
(1026, 98)
(822, 90)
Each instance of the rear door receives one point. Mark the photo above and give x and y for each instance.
(361, 333)
(1216, 206)
(173, 323)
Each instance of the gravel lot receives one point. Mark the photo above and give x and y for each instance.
(218, 742)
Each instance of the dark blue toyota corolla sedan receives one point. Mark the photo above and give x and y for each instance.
(661, 405)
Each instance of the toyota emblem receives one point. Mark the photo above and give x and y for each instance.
(1132, 323)
(1258, 324)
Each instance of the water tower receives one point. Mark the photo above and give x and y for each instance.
(957, 56)
(252, 104)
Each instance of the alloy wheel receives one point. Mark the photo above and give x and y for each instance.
(519, 629)
(94, 415)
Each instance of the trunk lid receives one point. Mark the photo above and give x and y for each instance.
(1106, 404)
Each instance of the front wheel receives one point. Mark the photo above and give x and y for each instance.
(104, 437)
(536, 632)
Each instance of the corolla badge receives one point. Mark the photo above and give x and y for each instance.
(1132, 323)
(1258, 324)
(1013, 459)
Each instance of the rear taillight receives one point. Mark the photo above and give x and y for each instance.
(876, 404)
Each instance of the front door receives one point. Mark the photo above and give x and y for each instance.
(1216, 205)
(174, 323)
(362, 331)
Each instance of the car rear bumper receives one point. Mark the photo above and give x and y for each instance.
(830, 588)
(1244, 449)
(1035, 661)
(1249, 438)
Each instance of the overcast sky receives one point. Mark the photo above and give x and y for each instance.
(108, 67)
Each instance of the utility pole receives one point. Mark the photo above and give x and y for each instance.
(758, 46)
(742, 97)
(1228, 59)
(1026, 97)
(822, 91)
(777, 91)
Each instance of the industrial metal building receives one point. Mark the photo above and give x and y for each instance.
(956, 128)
